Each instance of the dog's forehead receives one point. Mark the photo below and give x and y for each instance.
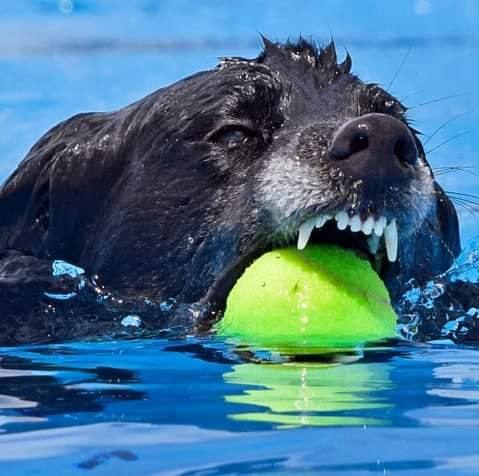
(305, 60)
(300, 72)
(282, 67)
(299, 79)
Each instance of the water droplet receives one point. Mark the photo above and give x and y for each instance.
(131, 320)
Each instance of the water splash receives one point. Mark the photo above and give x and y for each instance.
(131, 320)
(447, 306)
(466, 266)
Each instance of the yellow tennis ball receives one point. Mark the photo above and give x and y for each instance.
(321, 297)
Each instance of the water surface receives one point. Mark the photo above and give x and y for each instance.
(197, 407)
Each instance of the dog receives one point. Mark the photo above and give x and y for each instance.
(169, 199)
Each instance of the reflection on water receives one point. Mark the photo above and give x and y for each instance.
(212, 385)
(32, 392)
(313, 394)
(153, 406)
(109, 404)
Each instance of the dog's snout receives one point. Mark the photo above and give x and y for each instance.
(373, 142)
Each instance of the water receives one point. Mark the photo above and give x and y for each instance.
(438, 308)
(204, 406)
(193, 407)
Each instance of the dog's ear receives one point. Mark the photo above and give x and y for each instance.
(448, 223)
(433, 246)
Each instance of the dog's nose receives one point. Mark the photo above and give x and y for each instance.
(374, 144)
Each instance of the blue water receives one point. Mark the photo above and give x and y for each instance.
(187, 407)
(202, 406)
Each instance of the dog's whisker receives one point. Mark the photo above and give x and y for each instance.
(434, 101)
(398, 71)
(455, 169)
(444, 124)
(456, 136)
(462, 194)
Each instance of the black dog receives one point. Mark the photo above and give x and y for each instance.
(174, 195)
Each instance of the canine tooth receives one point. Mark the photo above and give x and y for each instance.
(391, 238)
(373, 243)
(379, 226)
(305, 231)
(368, 225)
(321, 220)
(355, 223)
(342, 219)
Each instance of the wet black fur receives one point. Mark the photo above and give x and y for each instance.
(164, 198)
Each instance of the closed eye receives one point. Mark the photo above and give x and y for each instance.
(232, 135)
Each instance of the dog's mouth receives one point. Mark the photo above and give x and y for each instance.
(374, 238)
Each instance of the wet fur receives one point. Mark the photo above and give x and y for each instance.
(151, 200)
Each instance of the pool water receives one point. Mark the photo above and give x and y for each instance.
(197, 407)
(204, 406)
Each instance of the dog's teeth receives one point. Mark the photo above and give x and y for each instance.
(368, 225)
(373, 229)
(305, 231)
(321, 220)
(355, 223)
(342, 219)
(379, 226)
(373, 243)
(391, 238)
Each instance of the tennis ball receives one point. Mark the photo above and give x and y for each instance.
(321, 297)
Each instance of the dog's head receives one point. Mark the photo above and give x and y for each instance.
(196, 180)
(292, 148)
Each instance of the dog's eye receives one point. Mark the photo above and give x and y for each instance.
(232, 136)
